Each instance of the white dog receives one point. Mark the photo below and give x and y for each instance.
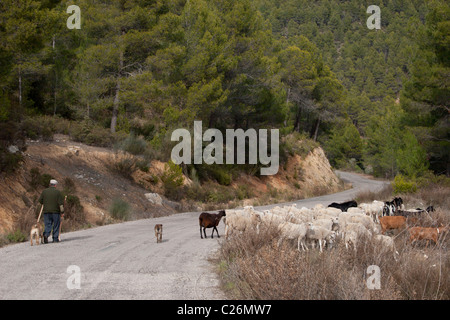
(36, 233)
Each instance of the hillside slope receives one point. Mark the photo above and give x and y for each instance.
(95, 185)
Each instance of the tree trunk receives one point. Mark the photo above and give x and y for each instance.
(211, 120)
(54, 93)
(116, 102)
(316, 130)
(298, 117)
(20, 87)
(115, 108)
(56, 76)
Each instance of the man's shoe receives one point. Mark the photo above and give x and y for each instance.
(45, 239)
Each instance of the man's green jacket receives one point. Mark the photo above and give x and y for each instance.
(52, 199)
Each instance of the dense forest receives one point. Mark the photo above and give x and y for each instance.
(135, 70)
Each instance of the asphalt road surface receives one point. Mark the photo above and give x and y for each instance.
(123, 261)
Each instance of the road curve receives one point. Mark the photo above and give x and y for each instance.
(359, 184)
(123, 261)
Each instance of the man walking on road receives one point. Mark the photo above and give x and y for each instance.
(53, 202)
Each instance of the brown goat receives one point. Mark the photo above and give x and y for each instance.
(392, 222)
(419, 233)
(210, 220)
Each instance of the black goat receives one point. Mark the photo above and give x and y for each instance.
(344, 205)
(390, 207)
(398, 202)
(210, 220)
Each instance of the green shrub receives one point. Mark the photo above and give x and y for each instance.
(147, 129)
(194, 176)
(45, 180)
(100, 137)
(172, 180)
(402, 185)
(153, 179)
(197, 192)
(9, 162)
(35, 177)
(120, 209)
(73, 209)
(160, 145)
(221, 176)
(123, 164)
(244, 192)
(344, 143)
(91, 134)
(39, 127)
(412, 158)
(10, 134)
(132, 144)
(296, 143)
(16, 236)
(38, 179)
(143, 166)
(429, 178)
(69, 186)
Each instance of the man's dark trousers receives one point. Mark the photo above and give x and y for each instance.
(52, 220)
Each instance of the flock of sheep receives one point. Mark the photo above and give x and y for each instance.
(320, 225)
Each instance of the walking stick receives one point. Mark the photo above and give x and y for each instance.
(42, 208)
(60, 221)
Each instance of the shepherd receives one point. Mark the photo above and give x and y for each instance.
(52, 202)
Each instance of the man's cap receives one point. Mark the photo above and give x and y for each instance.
(53, 182)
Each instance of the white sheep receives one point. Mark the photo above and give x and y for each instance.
(281, 212)
(333, 211)
(241, 220)
(352, 233)
(302, 215)
(326, 212)
(318, 206)
(350, 236)
(305, 210)
(374, 209)
(290, 208)
(366, 221)
(270, 219)
(293, 231)
(320, 234)
(296, 219)
(328, 223)
(355, 210)
(344, 218)
(321, 217)
(386, 241)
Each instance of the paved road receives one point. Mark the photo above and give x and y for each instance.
(123, 261)
(359, 183)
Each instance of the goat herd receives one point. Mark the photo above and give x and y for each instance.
(323, 226)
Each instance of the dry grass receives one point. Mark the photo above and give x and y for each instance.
(252, 266)
(368, 196)
(435, 195)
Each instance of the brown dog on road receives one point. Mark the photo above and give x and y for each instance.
(158, 232)
(36, 233)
